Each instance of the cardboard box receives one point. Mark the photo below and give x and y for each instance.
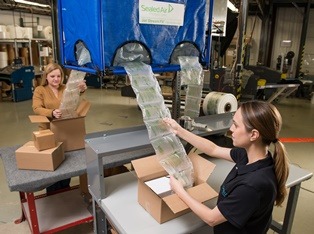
(44, 139)
(28, 157)
(70, 131)
(171, 206)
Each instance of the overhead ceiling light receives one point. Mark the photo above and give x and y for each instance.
(31, 3)
(231, 6)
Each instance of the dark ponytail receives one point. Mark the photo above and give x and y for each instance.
(265, 118)
(282, 171)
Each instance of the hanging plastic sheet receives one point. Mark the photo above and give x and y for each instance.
(192, 75)
(71, 95)
(169, 149)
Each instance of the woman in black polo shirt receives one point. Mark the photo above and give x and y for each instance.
(258, 179)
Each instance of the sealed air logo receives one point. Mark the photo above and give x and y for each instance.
(161, 13)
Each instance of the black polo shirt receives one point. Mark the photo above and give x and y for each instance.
(247, 196)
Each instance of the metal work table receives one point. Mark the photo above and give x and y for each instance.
(33, 181)
(129, 217)
(40, 211)
(117, 147)
(282, 90)
(115, 198)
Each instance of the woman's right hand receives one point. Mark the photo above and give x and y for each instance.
(56, 113)
(176, 186)
(175, 127)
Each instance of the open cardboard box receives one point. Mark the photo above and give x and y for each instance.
(29, 157)
(70, 131)
(171, 206)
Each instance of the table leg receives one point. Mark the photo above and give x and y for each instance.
(100, 224)
(290, 92)
(276, 94)
(33, 213)
(23, 218)
(286, 227)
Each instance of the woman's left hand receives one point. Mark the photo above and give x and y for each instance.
(82, 86)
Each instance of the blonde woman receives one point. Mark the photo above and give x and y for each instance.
(47, 96)
(46, 101)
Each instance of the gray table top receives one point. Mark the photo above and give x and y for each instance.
(111, 141)
(129, 217)
(296, 174)
(31, 180)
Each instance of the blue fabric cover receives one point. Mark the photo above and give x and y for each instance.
(105, 25)
(80, 20)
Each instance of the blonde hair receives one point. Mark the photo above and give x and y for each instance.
(265, 118)
(49, 68)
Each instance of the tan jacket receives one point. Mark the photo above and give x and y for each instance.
(44, 102)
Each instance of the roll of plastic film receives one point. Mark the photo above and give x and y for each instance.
(3, 63)
(3, 59)
(48, 32)
(219, 103)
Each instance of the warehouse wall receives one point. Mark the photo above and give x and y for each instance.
(13, 18)
(254, 31)
(288, 26)
(308, 64)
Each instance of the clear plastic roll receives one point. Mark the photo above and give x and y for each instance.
(219, 103)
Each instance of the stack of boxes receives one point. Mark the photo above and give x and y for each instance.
(43, 153)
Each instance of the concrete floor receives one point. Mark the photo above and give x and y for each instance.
(111, 111)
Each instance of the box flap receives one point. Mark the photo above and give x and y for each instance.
(202, 167)
(45, 132)
(201, 193)
(148, 168)
(38, 119)
(83, 108)
(29, 147)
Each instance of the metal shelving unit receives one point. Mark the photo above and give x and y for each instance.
(38, 41)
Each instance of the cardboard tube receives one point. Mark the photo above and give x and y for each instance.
(11, 54)
(3, 48)
(23, 52)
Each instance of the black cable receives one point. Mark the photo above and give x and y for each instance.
(308, 190)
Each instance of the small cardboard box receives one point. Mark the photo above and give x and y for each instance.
(70, 131)
(171, 206)
(28, 157)
(44, 139)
